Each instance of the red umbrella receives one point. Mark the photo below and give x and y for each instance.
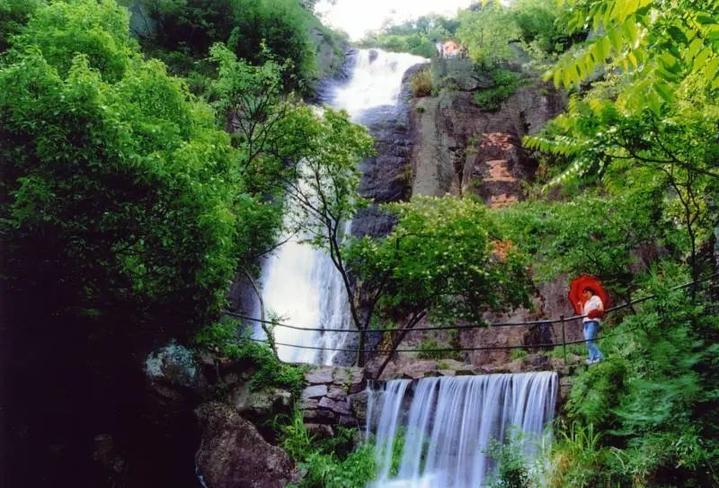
(579, 284)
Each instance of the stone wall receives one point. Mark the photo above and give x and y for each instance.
(332, 397)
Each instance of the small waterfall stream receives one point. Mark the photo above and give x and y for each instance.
(299, 283)
(449, 423)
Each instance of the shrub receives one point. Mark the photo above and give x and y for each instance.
(322, 466)
(422, 83)
(279, 28)
(487, 33)
(14, 14)
(518, 354)
(505, 83)
(256, 30)
(512, 470)
(224, 338)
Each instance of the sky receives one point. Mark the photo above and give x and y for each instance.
(358, 17)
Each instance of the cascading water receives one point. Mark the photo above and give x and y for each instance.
(450, 423)
(299, 283)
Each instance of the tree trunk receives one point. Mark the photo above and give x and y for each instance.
(395, 344)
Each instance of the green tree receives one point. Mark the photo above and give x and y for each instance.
(543, 29)
(250, 102)
(14, 14)
(487, 32)
(654, 108)
(192, 25)
(97, 30)
(117, 187)
(597, 234)
(322, 188)
(282, 26)
(256, 30)
(414, 36)
(439, 260)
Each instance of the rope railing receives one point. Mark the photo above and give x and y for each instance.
(460, 327)
(448, 349)
(563, 320)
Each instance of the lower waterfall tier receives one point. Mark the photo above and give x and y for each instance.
(450, 424)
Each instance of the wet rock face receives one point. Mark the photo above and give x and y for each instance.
(233, 454)
(386, 177)
(338, 70)
(460, 148)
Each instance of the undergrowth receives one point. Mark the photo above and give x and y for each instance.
(328, 463)
(421, 83)
(505, 83)
(224, 339)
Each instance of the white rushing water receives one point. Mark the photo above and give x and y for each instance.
(301, 284)
(450, 423)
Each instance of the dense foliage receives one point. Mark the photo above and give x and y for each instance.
(439, 258)
(181, 32)
(332, 462)
(226, 340)
(14, 14)
(651, 402)
(487, 33)
(504, 84)
(415, 36)
(441, 261)
(597, 234)
(106, 156)
(633, 160)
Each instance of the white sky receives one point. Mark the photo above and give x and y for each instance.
(357, 17)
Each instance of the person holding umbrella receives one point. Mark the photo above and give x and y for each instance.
(593, 309)
(589, 298)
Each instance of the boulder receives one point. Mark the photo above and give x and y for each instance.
(174, 365)
(321, 431)
(260, 404)
(337, 393)
(233, 454)
(309, 404)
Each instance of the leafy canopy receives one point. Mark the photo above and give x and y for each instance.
(486, 32)
(117, 187)
(440, 258)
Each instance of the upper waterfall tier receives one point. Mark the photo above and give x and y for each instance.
(449, 424)
(375, 81)
(300, 283)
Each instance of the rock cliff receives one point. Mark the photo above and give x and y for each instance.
(458, 148)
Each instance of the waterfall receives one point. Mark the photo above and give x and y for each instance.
(299, 283)
(450, 423)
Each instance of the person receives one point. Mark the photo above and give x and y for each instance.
(593, 309)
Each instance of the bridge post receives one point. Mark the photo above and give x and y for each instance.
(564, 340)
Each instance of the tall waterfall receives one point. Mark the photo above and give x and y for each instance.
(301, 284)
(450, 423)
